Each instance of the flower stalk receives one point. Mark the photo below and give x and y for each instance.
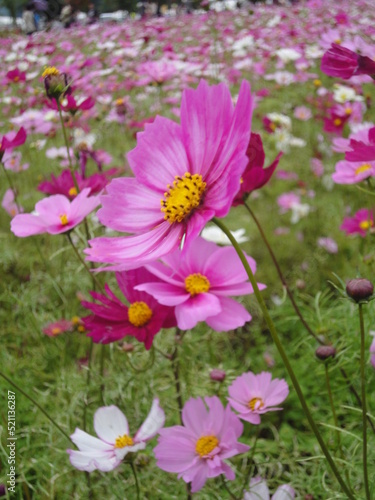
(364, 403)
(285, 359)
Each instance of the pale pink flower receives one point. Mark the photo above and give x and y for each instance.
(197, 450)
(302, 113)
(55, 215)
(252, 395)
(199, 283)
(9, 204)
(328, 244)
(348, 172)
(114, 442)
(258, 490)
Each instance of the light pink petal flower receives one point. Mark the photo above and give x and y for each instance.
(196, 309)
(110, 423)
(284, 492)
(153, 423)
(232, 315)
(258, 490)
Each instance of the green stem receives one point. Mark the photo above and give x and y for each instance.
(136, 480)
(82, 261)
(88, 382)
(176, 376)
(67, 146)
(284, 357)
(364, 404)
(35, 403)
(11, 187)
(251, 459)
(281, 276)
(102, 387)
(335, 419)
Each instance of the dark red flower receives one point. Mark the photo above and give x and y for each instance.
(343, 63)
(255, 176)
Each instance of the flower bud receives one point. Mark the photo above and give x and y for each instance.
(217, 375)
(359, 289)
(56, 83)
(325, 352)
(126, 347)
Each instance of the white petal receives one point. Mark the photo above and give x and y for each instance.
(85, 442)
(90, 461)
(110, 423)
(258, 490)
(284, 492)
(153, 423)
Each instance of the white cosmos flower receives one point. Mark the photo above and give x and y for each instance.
(344, 94)
(114, 442)
(259, 491)
(287, 55)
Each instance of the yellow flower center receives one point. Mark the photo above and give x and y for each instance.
(119, 102)
(338, 41)
(362, 168)
(72, 191)
(348, 111)
(255, 404)
(16, 78)
(139, 314)
(337, 122)
(64, 219)
(206, 444)
(123, 441)
(183, 197)
(317, 83)
(273, 126)
(56, 330)
(196, 283)
(366, 224)
(50, 71)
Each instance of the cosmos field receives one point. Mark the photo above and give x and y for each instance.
(149, 169)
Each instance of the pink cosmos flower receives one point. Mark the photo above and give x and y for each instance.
(372, 350)
(58, 327)
(197, 450)
(287, 200)
(353, 172)
(12, 140)
(343, 63)
(112, 320)
(54, 215)
(114, 442)
(361, 223)
(199, 284)
(302, 113)
(252, 395)
(12, 161)
(8, 203)
(328, 244)
(259, 491)
(184, 176)
(255, 176)
(15, 75)
(63, 184)
(362, 150)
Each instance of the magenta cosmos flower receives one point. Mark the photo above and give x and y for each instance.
(184, 176)
(112, 320)
(255, 176)
(55, 215)
(114, 442)
(348, 172)
(199, 283)
(343, 63)
(196, 451)
(12, 140)
(252, 395)
(362, 150)
(361, 223)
